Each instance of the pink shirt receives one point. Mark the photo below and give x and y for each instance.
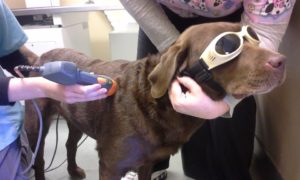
(265, 11)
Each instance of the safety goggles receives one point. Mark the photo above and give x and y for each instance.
(222, 49)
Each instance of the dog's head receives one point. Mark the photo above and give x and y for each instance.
(255, 70)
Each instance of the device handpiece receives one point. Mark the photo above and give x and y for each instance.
(106, 82)
(67, 73)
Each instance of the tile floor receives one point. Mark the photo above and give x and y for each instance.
(87, 157)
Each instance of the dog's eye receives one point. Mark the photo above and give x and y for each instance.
(228, 44)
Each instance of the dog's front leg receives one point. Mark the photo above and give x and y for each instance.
(144, 172)
(108, 173)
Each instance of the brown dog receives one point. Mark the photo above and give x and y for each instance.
(138, 126)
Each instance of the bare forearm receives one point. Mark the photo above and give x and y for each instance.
(26, 88)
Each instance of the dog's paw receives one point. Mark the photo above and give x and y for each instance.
(76, 172)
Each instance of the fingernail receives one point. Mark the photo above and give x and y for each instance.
(97, 86)
(103, 90)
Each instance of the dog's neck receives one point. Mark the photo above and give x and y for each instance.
(212, 88)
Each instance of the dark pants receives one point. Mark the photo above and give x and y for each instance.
(222, 148)
(15, 158)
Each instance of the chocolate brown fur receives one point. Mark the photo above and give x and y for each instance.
(137, 126)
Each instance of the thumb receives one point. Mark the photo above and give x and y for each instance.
(175, 89)
(189, 83)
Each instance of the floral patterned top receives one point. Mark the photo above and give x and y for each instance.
(258, 10)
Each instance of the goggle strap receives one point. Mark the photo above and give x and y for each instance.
(199, 72)
(205, 76)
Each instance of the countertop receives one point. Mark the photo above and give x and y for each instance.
(65, 9)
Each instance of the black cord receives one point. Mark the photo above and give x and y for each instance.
(47, 169)
(66, 159)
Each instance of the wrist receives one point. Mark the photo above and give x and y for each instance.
(43, 87)
(219, 108)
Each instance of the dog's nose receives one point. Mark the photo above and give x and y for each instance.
(277, 61)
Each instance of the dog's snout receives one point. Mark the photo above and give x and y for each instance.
(277, 61)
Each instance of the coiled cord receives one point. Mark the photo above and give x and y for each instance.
(26, 68)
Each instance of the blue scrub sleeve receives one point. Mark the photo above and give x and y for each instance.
(12, 36)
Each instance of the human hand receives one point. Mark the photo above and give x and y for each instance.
(194, 101)
(75, 93)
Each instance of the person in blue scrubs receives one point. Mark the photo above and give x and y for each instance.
(15, 154)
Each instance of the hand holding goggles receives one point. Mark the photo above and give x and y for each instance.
(223, 48)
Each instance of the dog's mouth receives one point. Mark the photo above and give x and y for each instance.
(263, 86)
(239, 96)
(255, 85)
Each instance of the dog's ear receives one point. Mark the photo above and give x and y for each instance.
(163, 73)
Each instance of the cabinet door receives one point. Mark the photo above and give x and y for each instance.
(41, 40)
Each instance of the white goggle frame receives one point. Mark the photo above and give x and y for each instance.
(213, 59)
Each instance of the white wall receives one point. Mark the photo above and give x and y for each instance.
(123, 45)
